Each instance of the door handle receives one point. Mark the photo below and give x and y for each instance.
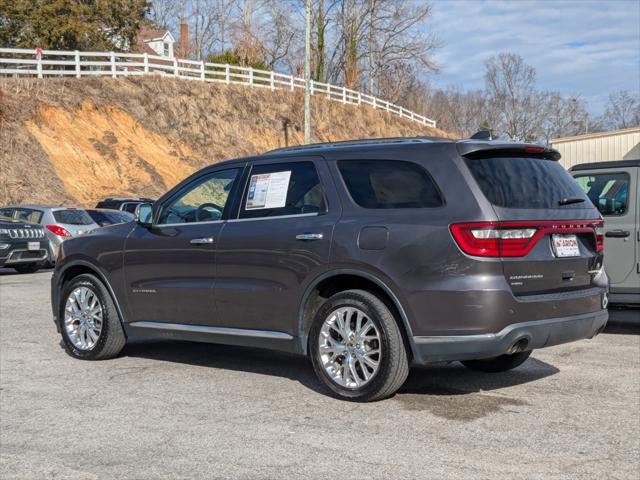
(617, 234)
(309, 236)
(201, 241)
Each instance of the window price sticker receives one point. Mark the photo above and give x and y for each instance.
(268, 190)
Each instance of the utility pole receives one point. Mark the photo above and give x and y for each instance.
(307, 76)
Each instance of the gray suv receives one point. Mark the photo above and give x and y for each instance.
(367, 256)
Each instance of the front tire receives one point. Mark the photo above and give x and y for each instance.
(356, 347)
(502, 363)
(89, 321)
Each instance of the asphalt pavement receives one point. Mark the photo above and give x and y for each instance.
(179, 410)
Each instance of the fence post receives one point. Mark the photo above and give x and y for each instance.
(146, 63)
(202, 70)
(344, 95)
(359, 98)
(250, 75)
(311, 88)
(374, 102)
(227, 76)
(273, 82)
(292, 82)
(175, 66)
(77, 64)
(113, 65)
(386, 107)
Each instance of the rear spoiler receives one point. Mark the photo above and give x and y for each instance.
(476, 150)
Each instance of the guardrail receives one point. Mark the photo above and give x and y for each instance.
(45, 63)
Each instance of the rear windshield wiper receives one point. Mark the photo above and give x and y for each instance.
(570, 200)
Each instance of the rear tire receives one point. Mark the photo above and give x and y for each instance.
(111, 338)
(498, 364)
(373, 376)
(28, 268)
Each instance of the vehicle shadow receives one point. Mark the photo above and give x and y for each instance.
(436, 380)
(623, 321)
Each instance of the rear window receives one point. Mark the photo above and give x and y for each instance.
(389, 184)
(72, 217)
(514, 182)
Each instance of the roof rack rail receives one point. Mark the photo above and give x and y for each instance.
(365, 141)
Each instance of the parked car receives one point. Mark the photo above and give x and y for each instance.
(366, 256)
(105, 216)
(61, 223)
(614, 188)
(125, 204)
(23, 245)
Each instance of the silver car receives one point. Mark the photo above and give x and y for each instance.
(60, 223)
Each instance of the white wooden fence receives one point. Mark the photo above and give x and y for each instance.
(45, 63)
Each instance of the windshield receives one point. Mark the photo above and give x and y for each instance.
(514, 182)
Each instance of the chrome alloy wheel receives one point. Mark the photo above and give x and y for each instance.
(83, 318)
(350, 347)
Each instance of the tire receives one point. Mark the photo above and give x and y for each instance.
(28, 268)
(111, 339)
(498, 364)
(392, 361)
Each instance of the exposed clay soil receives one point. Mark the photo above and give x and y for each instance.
(76, 141)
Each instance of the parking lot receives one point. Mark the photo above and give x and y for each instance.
(179, 410)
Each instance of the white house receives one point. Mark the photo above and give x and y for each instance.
(155, 42)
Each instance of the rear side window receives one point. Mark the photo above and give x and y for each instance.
(514, 182)
(130, 207)
(72, 217)
(283, 189)
(389, 184)
(609, 192)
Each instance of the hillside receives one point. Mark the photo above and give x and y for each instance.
(75, 141)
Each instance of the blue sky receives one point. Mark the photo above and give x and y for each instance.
(578, 47)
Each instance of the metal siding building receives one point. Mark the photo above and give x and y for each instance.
(599, 147)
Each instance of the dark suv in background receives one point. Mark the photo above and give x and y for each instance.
(366, 256)
(23, 245)
(124, 204)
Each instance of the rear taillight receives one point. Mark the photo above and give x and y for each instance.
(515, 239)
(58, 230)
(599, 227)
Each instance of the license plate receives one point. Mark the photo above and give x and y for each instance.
(565, 246)
(31, 246)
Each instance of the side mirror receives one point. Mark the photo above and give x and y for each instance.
(144, 214)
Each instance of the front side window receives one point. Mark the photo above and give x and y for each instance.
(283, 189)
(609, 192)
(202, 201)
(389, 184)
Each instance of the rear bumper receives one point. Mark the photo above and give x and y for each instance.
(536, 334)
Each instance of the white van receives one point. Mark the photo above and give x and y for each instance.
(613, 187)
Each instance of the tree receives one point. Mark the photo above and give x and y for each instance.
(71, 24)
(510, 85)
(622, 111)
